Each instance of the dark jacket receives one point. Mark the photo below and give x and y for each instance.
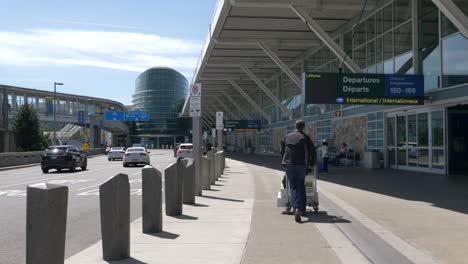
(297, 149)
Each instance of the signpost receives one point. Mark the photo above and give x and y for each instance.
(195, 113)
(362, 88)
(195, 100)
(219, 121)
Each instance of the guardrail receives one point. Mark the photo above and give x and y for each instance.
(23, 158)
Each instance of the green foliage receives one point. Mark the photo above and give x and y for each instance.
(27, 130)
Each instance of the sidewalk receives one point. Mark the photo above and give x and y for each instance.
(215, 230)
(424, 217)
(366, 216)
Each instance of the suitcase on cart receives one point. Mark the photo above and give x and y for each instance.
(312, 201)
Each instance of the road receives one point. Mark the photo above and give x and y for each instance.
(83, 220)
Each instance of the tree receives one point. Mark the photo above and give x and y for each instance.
(27, 130)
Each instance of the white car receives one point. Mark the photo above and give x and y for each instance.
(185, 151)
(116, 153)
(136, 155)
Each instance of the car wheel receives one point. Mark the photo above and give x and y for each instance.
(109, 159)
(125, 165)
(73, 167)
(45, 170)
(84, 166)
(59, 170)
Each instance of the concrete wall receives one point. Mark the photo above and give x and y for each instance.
(23, 158)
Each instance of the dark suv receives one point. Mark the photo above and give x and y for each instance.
(63, 157)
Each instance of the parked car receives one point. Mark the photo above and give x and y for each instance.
(116, 153)
(185, 151)
(136, 155)
(63, 157)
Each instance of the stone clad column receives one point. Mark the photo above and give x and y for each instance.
(152, 200)
(114, 196)
(46, 222)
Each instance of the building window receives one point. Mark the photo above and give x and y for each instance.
(323, 130)
(375, 131)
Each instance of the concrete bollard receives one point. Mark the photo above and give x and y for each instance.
(151, 200)
(217, 166)
(173, 184)
(114, 197)
(46, 221)
(212, 168)
(186, 169)
(205, 173)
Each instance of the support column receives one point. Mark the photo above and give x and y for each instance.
(323, 36)
(281, 64)
(236, 105)
(250, 100)
(266, 90)
(454, 14)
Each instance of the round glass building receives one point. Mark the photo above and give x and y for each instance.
(161, 91)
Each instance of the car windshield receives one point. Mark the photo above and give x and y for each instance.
(117, 149)
(56, 149)
(186, 147)
(135, 150)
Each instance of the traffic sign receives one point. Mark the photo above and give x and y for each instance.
(195, 106)
(86, 133)
(115, 115)
(137, 116)
(127, 116)
(81, 117)
(85, 146)
(196, 90)
(219, 120)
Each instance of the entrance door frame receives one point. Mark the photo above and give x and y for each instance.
(407, 112)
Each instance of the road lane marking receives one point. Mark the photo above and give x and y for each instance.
(95, 192)
(46, 179)
(91, 186)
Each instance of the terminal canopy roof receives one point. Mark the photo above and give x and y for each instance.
(252, 42)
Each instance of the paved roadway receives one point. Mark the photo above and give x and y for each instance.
(83, 226)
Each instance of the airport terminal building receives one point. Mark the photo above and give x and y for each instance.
(257, 53)
(161, 91)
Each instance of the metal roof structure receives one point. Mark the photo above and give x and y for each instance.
(252, 42)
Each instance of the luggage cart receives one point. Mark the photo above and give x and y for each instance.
(312, 200)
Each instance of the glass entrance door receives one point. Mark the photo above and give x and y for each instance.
(415, 141)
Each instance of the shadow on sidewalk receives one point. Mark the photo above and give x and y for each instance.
(163, 235)
(185, 217)
(439, 190)
(223, 199)
(324, 217)
(130, 260)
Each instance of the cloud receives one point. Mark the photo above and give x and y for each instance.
(121, 50)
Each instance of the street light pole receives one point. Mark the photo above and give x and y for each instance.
(55, 99)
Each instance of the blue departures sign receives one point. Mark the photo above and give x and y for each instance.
(361, 88)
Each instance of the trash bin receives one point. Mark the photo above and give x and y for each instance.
(371, 160)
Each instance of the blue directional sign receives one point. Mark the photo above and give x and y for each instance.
(115, 115)
(137, 116)
(127, 116)
(81, 117)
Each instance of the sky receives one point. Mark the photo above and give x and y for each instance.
(98, 48)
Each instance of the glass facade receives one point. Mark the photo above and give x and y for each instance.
(162, 92)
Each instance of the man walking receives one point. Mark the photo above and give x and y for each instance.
(299, 155)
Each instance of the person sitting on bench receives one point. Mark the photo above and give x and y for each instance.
(342, 153)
